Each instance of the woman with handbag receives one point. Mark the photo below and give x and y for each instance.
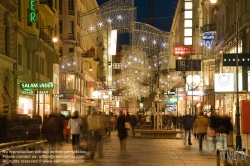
(122, 131)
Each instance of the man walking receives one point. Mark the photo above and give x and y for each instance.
(188, 125)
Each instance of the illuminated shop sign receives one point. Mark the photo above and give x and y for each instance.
(224, 82)
(195, 93)
(112, 42)
(91, 84)
(188, 65)
(58, 95)
(24, 85)
(42, 92)
(174, 100)
(184, 50)
(193, 80)
(208, 38)
(230, 59)
(169, 93)
(32, 15)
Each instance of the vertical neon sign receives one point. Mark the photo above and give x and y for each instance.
(32, 17)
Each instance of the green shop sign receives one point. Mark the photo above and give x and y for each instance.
(32, 17)
(48, 85)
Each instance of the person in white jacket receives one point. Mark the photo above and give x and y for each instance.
(75, 124)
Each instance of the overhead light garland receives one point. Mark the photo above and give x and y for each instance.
(115, 14)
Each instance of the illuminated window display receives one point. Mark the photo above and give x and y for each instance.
(25, 105)
(70, 81)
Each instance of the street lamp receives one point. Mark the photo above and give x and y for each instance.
(90, 69)
(237, 114)
(45, 38)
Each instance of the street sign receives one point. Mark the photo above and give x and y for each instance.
(188, 65)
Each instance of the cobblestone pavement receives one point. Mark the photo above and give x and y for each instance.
(151, 152)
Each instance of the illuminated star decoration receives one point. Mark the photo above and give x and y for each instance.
(119, 17)
(154, 42)
(143, 39)
(109, 20)
(91, 28)
(100, 24)
(164, 45)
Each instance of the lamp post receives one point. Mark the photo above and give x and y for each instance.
(90, 69)
(43, 36)
(237, 114)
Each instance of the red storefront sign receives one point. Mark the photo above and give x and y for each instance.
(245, 114)
(73, 100)
(90, 84)
(184, 50)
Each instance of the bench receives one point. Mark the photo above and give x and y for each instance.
(158, 133)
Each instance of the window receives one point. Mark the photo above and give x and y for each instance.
(70, 5)
(37, 63)
(187, 23)
(70, 27)
(61, 51)
(60, 26)
(42, 66)
(19, 11)
(71, 50)
(189, 5)
(78, 18)
(28, 60)
(28, 20)
(60, 7)
(187, 32)
(188, 14)
(20, 54)
(188, 41)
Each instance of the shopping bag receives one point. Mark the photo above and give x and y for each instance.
(127, 125)
(210, 132)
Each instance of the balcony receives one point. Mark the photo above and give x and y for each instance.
(10, 5)
(47, 6)
(46, 38)
(208, 27)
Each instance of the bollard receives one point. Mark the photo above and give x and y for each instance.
(221, 154)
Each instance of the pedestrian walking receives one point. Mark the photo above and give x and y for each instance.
(74, 125)
(200, 124)
(66, 131)
(96, 129)
(122, 131)
(187, 121)
(133, 123)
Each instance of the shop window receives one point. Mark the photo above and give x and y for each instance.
(70, 82)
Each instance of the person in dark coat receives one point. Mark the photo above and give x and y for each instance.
(187, 121)
(122, 131)
(133, 123)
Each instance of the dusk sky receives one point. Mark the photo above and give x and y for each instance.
(163, 12)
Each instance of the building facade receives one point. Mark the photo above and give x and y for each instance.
(80, 61)
(7, 57)
(37, 57)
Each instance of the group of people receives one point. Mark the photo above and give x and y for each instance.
(89, 128)
(202, 123)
